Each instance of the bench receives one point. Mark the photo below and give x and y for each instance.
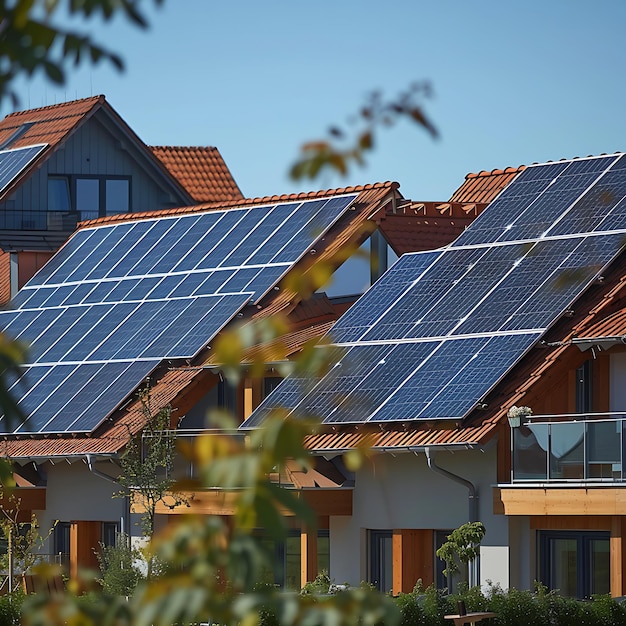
(32, 583)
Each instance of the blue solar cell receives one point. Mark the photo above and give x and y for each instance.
(435, 366)
(121, 243)
(14, 162)
(240, 280)
(54, 332)
(78, 293)
(64, 390)
(140, 257)
(112, 395)
(79, 266)
(409, 317)
(100, 292)
(197, 227)
(361, 316)
(213, 282)
(273, 220)
(125, 342)
(264, 280)
(206, 327)
(121, 290)
(190, 284)
(165, 287)
(302, 215)
(141, 290)
(203, 247)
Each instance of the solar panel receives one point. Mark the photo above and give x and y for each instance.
(440, 329)
(14, 162)
(120, 298)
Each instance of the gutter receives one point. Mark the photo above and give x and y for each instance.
(95, 472)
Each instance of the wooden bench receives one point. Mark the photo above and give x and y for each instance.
(31, 583)
(469, 618)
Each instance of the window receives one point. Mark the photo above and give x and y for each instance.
(59, 194)
(87, 197)
(381, 559)
(110, 530)
(575, 563)
(287, 559)
(62, 543)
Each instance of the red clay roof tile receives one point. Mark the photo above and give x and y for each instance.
(201, 171)
(485, 186)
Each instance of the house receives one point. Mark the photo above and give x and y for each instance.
(525, 308)
(79, 160)
(147, 300)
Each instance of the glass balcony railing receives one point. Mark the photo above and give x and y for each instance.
(569, 448)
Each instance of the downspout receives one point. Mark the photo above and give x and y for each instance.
(472, 501)
(104, 476)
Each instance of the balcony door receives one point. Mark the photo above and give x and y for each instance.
(575, 563)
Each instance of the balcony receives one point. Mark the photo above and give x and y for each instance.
(569, 449)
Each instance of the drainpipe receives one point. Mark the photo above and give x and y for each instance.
(99, 474)
(473, 503)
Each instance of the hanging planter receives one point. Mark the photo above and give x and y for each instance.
(516, 413)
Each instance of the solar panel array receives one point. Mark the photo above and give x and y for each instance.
(118, 299)
(441, 328)
(14, 162)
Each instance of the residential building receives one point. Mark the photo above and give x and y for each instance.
(143, 295)
(524, 309)
(80, 160)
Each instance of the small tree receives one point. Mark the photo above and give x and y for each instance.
(463, 546)
(118, 564)
(146, 466)
(24, 539)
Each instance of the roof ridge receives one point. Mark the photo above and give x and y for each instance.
(496, 172)
(99, 98)
(238, 203)
(183, 147)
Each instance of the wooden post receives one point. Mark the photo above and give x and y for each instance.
(308, 555)
(85, 537)
(412, 556)
(618, 556)
(251, 395)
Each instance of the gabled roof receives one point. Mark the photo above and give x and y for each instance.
(201, 171)
(597, 310)
(483, 187)
(184, 386)
(53, 125)
(414, 226)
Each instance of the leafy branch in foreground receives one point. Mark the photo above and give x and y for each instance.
(30, 41)
(346, 146)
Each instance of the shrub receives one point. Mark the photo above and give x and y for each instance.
(11, 608)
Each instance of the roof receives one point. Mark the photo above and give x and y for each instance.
(201, 171)
(183, 387)
(414, 226)
(54, 124)
(485, 186)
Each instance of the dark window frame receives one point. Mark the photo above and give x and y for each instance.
(584, 569)
(377, 557)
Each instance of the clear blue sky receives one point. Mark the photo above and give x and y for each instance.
(514, 83)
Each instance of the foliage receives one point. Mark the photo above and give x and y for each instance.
(342, 149)
(147, 463)
(24, 539)
(31, 42)
(118, 565)
(321, 584)
(10, 608)
(462, 546)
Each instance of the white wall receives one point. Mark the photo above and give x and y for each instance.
(402, 492)
(75, 494)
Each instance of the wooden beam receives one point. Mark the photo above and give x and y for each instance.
(308, 555)
(412, 557)
(618, 556)
(85, 537)
(559, 501)
(252, 395)
(324, 502)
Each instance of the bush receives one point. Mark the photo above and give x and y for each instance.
(11, 608)
(118, 565)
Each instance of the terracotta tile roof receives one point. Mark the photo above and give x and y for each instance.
(50, 125)
(201, 171)
(183, 387)
(416, 226)
(613, 325)
(485, 186)
(245, 202)
(54, 124)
